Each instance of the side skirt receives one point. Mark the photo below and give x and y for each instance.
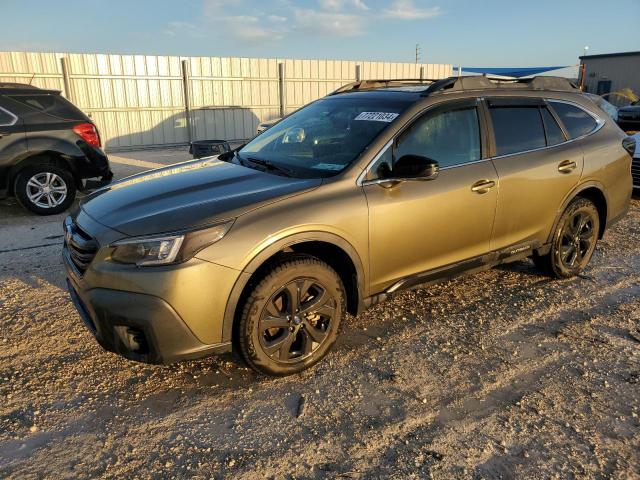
(466, 267)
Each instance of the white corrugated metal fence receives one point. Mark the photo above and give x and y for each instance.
(139, 100)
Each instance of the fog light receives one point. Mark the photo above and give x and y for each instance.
(133, 339)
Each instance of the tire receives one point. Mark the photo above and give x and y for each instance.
(574, 241)
(292, 317)
(34, 180)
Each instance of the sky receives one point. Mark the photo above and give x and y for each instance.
(484, 33)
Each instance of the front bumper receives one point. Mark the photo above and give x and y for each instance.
(143, 326)
(138, 327)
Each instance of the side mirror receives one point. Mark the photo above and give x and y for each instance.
(415, 167)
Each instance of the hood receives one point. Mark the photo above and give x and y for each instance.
(187, 195)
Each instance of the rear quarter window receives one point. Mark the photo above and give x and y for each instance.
(50, 104)
(576, 121)
(6, 117)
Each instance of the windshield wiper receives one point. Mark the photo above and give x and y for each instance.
(269, 165)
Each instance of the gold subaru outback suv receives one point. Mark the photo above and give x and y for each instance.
(378, 187)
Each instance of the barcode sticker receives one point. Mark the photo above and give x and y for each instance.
(377, 116)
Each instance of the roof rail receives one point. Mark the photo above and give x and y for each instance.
(382, 83)
(24, 86)
(471, 82)
(481, 82)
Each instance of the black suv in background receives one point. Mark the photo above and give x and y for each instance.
(48, 147)
(629, 117)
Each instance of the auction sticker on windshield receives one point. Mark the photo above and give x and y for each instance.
(377, 116)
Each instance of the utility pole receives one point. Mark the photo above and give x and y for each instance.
(418, 52)
(583, 67)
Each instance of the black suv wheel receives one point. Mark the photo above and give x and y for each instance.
(574, 240)
(292, 317)
(45, 189)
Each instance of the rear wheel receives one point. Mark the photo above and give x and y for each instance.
(291, 318)
(45, 189)
(574, 240)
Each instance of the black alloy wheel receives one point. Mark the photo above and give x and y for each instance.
(296, 320)
(577, 237)
(292, 316)
(573, 242)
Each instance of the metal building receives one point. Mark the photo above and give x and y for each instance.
(611, 74)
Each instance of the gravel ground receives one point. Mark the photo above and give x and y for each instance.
(504, 374)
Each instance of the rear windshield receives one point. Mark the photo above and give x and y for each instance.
(51, 104)
(324, 137)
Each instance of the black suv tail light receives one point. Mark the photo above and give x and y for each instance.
(89, 133)
(629, 145)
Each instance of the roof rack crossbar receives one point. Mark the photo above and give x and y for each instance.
(481, 82)
(381, 83)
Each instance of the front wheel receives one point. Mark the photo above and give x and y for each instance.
(45, 189)
(574, 240)
(291, 318)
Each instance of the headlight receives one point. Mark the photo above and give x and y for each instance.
(166, 249)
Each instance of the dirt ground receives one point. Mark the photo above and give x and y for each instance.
(504, 374)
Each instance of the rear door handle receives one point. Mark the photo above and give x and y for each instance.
(567, 166)
(483, 186)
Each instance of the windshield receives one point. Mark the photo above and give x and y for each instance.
(323, 138)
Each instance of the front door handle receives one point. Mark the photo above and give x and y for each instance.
(483, 186)
(567, 166)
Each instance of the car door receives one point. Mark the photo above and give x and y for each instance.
(12, 141)
(537, 167)
(417, 226)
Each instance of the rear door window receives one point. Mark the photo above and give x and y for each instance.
(576, 121)
(50, 104)
(517, 128)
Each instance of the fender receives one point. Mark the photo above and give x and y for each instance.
(76, 156)
(272, 249)
(573, 194)
(66, 149)
(14, 149)
(38, 157)
(38, 147)
(39, 143)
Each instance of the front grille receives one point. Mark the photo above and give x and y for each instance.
(635, 171)
(80, 245)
